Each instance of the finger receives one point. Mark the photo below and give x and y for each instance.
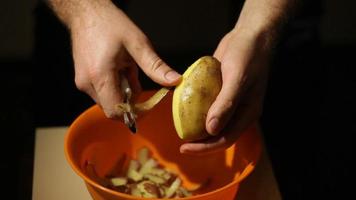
(152, 65)
(204, 147)
(218, 144)
(107, 88)
(244, 118)
(225, 103)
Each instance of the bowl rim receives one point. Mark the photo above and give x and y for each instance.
(79, 172)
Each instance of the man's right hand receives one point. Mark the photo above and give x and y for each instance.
(105, 43)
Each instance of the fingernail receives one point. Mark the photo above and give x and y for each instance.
(182, 150)
(172, 76)
(213, 124)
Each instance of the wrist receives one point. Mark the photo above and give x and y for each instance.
(80, 13)
(263, 19)
(263, 39)
(87, 12)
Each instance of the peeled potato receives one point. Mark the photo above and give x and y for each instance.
(193, 97)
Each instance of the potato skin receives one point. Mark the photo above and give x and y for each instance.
(193, 97)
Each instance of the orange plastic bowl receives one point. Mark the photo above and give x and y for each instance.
(92, 137)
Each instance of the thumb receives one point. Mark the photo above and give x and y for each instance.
(151, 64)
(225, 103)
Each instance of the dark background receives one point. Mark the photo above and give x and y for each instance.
(309, 113)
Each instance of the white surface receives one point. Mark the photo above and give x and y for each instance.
(55, 180)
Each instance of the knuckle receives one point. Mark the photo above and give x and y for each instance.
(227, 104)
(93, 73)
(81, 83)
(142, 39)
(157, 64)
(140, 42)
(110, 115)
(97, 78)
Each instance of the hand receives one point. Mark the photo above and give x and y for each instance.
(105, 44)
(244, 57)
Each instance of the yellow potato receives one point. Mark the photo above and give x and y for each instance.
(193, 97)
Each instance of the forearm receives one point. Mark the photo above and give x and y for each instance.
(72, 11)
(264, 18)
